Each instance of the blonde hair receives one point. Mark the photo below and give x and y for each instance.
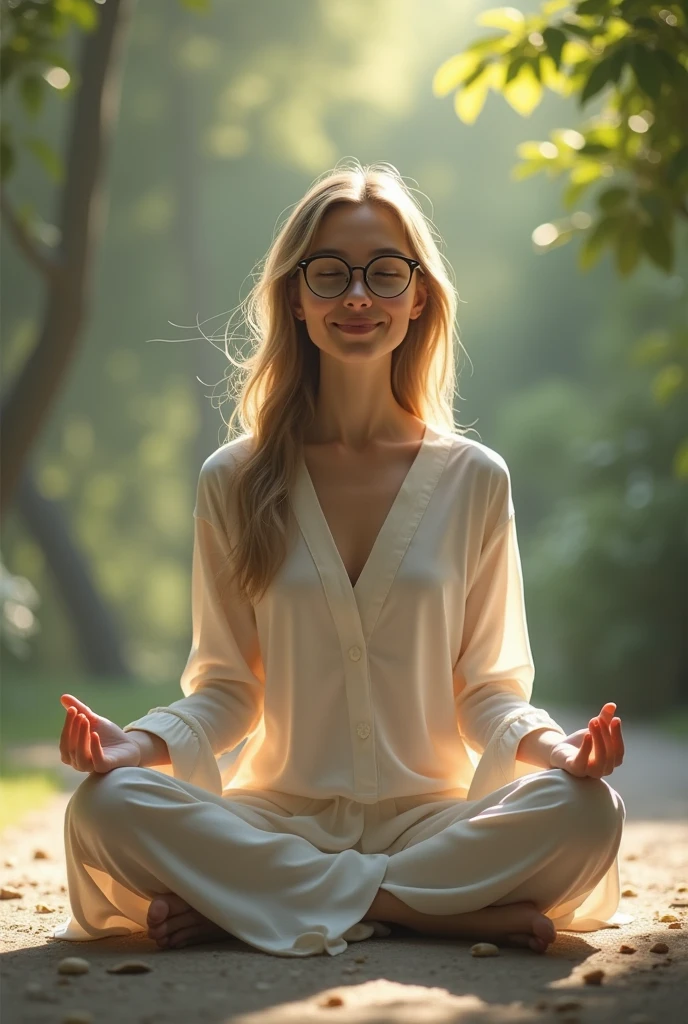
(275, 402)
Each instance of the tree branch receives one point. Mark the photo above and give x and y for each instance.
(45, 265)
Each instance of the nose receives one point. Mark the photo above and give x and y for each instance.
(357, 289)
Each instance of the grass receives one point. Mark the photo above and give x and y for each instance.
(24, 791)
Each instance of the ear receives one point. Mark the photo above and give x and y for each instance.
(294, 299)
(420, 299)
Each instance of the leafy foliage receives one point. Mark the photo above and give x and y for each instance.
(636, 146)
(32, 62)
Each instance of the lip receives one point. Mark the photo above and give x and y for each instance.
(358, 326)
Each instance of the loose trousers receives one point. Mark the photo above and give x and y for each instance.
(291, 876)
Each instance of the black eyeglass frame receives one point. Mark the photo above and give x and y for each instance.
(303, 264)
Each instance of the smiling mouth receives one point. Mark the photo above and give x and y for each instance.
(354, 328)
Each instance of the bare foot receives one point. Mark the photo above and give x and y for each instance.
(513, 924)
(173, 923)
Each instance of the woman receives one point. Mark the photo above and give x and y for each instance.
(358, 617)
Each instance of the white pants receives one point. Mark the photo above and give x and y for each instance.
(290, 877)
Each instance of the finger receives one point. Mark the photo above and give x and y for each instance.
(84, 746)
(70, 700)
(77, 757)
(605, 735)
(598, 758)
(584, 750)
(619, 748)
(74, 737)
(601, 767)
(65, 746)
(97, 755)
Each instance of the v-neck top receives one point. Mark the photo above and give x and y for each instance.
(416, 680)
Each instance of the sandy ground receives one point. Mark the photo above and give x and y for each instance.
(402, 978)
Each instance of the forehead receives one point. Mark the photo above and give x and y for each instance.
(359, 229)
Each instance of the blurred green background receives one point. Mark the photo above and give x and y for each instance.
(227, 112)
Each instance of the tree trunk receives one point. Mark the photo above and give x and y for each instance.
(96, 633)
(27, 404)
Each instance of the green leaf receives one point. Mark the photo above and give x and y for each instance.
(470, 99)
(31, 90)
(554, 41)
(47, 157)
(452, 72)
(574, 191)
(524, 92)
(658, 245)
(494, 41)
(83, 12)
(514, 67)
(593, 7)
(602, 233)
(612, 198)
(508, 18)
(627, 250)
(647, 69)
(601, 74)
(594, 149)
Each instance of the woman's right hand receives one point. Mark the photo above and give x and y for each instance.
(91, 743)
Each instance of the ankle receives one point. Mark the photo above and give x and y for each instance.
(389, 909)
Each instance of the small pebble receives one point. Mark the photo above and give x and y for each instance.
(593, 977)
(34, 990)
(659, 947)
(332, 1000)
(484, 949)
(43, 908)
(669, 917)
(130, 967)
(627, 949)
(7, 893)
(629, 892)
(676, 924)
(73, 965)
(41, 855)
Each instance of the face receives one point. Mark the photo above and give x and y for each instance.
(354, 232)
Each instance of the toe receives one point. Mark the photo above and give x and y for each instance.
(165, 906)
(157, 911)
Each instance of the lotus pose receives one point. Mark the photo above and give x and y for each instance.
(359, 649)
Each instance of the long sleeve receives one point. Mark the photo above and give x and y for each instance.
(223, 679)
(493, 677)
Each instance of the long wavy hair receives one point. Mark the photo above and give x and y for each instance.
(276, 388)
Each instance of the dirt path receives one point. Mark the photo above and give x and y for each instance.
(379, 979)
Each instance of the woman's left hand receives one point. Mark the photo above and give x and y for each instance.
(595, 751)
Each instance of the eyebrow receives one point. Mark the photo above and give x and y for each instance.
(387, 250)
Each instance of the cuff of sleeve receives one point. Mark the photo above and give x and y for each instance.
(498, 764)
(192, 758)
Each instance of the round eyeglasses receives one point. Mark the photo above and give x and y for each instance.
(386, 276)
